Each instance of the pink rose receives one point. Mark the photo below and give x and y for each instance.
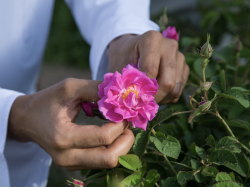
(128, 96)
(171, 33)
(87, 108)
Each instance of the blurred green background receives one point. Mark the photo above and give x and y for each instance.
(65, 44)
(218, 17)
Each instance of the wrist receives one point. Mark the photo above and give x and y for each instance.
(16, 124)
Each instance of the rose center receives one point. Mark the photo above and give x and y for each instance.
(130, 89)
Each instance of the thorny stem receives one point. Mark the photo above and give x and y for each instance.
(169, 164)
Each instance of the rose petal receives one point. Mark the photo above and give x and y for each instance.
(140, 122)
(109, 112)
(126, 112)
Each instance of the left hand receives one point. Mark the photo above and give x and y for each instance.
(159, 58)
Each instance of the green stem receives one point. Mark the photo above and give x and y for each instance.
(236, 72)
(203, 67)
(183, 112)
(170, 165)
(157, 184)
(95, 176)
(229, 130)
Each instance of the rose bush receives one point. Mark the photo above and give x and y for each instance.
(204, 139)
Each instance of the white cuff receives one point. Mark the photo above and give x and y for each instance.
(7, 97)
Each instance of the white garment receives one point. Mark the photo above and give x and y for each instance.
(24, 26)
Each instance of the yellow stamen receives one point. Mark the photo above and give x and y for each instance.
(130, 89)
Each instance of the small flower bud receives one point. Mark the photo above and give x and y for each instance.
(88, 108)
(163, 21)
(237, 45)
(206, 86)
(204, 106)
(198, 91)
(206, 50)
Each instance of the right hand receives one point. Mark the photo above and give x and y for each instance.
(47, 118)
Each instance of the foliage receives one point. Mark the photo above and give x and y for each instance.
(214, 148)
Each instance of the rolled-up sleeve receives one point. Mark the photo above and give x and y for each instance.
(101, 21)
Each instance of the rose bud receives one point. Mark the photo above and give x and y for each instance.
(170, 33)
(206, 50)
(204, 106)
(206, 86)
(88, 107)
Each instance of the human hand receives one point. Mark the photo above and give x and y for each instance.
(159, 58)
(47, 118)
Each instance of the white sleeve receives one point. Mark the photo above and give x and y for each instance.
(7, 97)
(101, 21)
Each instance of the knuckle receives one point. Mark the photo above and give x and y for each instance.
(106, 138)
(168, 86)
(66, 84)
(153, 36)
(111, 160)
(59, 162)
(60, 143)
(174, 44)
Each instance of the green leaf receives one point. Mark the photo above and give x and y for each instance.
(226, 184)
(236, 111)
(239, 123)
(141, 143)
(232, 176)
(192, 149)
(171, 182)
(238, 95)
(198, 176)
(241, 89)
(222, 176)
(209, 171)
(223, 81)
(201, 152)
(216, 86)
(210, 141)
(210, 69)
(183, 177)
(142, 167)
(113, 179)
(162, 116)
(152, 177)
(131, 180)
(222, 157)
(229, 143)
(245, 53)
(130, 161)
(169, 147)
(242, 167)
